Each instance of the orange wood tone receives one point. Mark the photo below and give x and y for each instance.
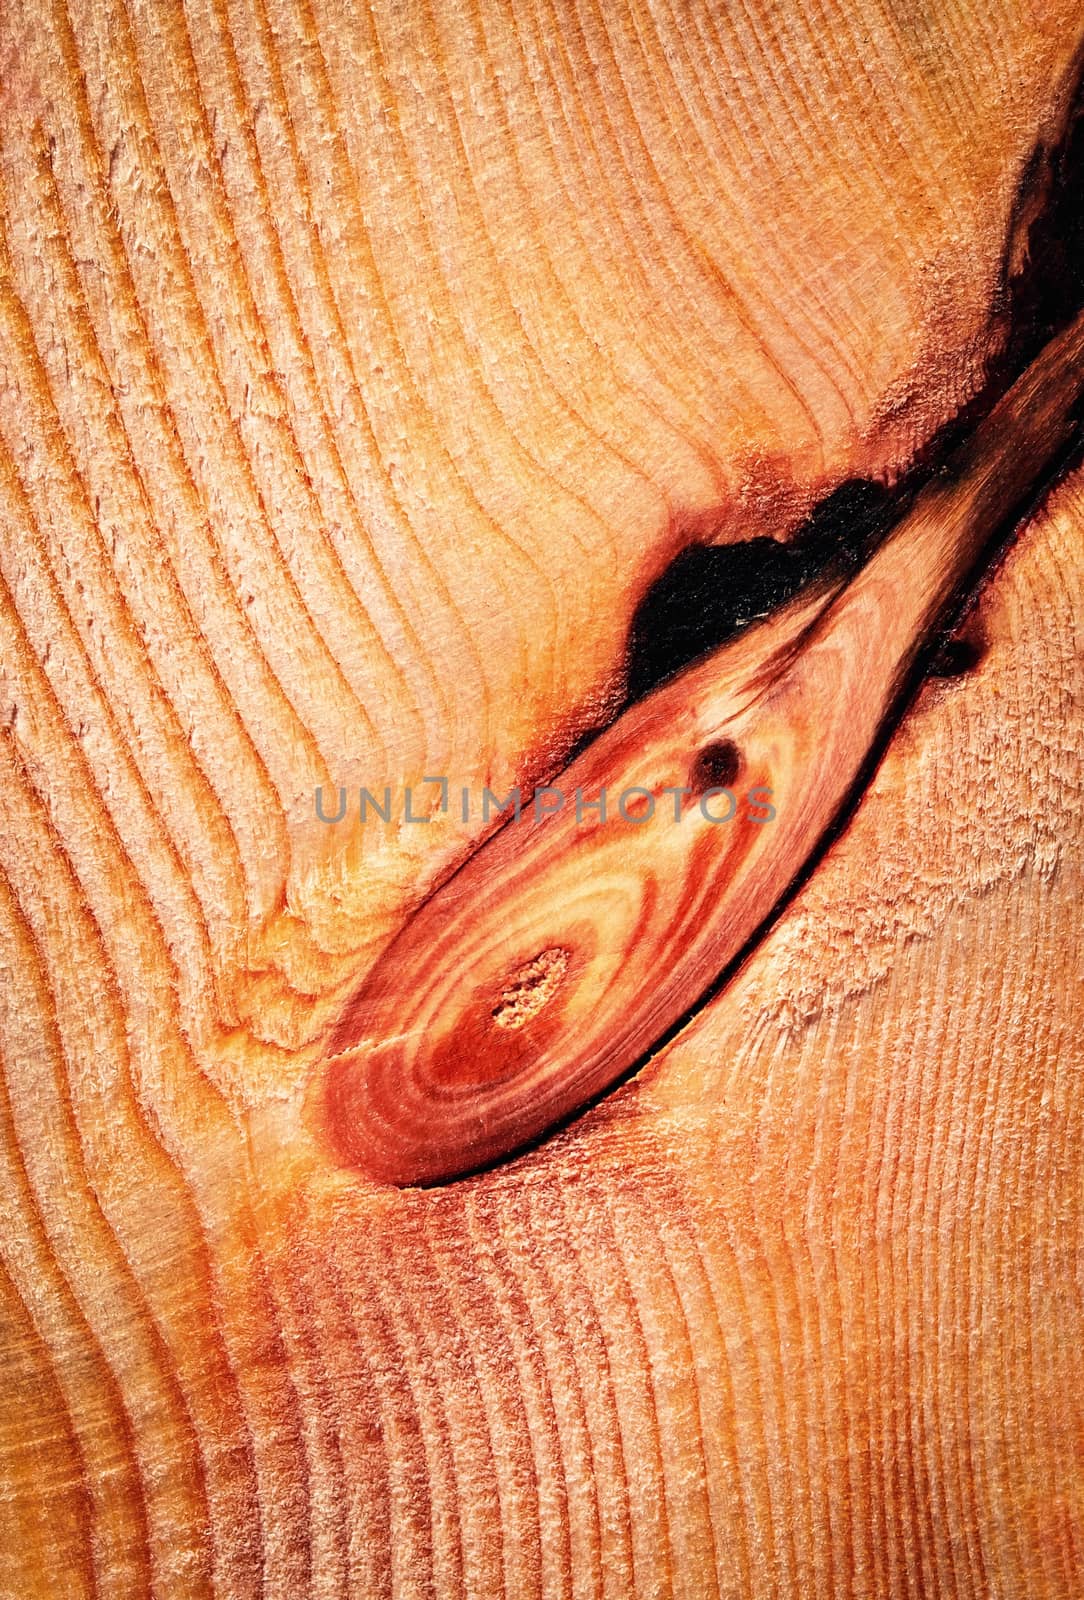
(361, 365)
(567, 947)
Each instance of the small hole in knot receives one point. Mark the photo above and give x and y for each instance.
(530, 987)
(716, 766)
(956, 657)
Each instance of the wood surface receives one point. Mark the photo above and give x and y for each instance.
(573, 943)
(360, 367)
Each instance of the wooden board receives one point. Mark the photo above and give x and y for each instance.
(359, 369)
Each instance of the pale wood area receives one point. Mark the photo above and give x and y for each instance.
(359, 366)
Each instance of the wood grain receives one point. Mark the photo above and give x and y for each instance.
(568, 947)
(359, 368)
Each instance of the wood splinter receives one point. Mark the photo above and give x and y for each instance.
(565, 948)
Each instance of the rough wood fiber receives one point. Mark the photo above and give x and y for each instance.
(572, 943)
(358, 367)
